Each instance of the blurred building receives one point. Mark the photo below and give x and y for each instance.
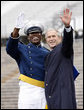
(45, 11)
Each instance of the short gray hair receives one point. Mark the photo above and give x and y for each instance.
(51, 29)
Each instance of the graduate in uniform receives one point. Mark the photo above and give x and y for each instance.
(59, 80)
(30, 59)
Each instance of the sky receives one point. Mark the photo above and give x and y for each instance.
(45, 11)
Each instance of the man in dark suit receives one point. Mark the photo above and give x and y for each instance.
(59, 80)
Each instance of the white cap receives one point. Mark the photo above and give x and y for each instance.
(33, 24)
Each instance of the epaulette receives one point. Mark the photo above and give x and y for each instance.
(21, 42)
(46, 48)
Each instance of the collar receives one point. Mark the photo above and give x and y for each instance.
(38, 46)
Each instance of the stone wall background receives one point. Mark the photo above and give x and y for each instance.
(10, 73)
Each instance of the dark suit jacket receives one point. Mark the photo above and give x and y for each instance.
(59, 81)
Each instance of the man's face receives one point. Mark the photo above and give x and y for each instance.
(35, 38)
(52, 39)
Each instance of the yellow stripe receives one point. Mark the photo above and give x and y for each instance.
(46, 107)
(31, 80)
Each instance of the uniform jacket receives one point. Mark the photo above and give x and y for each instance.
(30, 58)
(59, 80)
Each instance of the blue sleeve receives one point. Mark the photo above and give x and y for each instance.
(12, 48)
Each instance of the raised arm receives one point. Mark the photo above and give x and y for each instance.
(12, 43)
(67, 43)
(66, 18)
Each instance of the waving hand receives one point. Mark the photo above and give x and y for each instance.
(66, 18)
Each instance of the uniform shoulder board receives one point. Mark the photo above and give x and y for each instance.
(46, 48)
(21, 42)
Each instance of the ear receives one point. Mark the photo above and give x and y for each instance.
(46, 40)
(41, 36)
(28, 37)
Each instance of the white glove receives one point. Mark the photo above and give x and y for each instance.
(20, 21)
